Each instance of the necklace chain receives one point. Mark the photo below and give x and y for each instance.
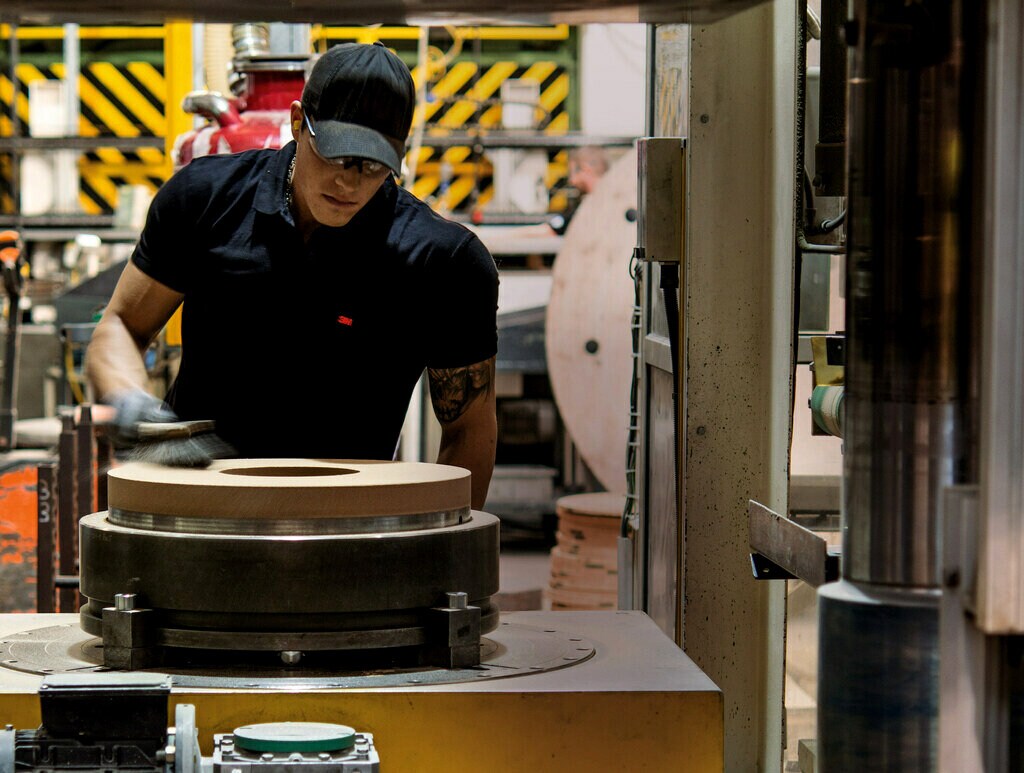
(288, 185)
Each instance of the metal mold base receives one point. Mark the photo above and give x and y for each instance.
(338, 632)
(214, 575)
(512, 650)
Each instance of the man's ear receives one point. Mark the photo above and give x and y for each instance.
(296, 119)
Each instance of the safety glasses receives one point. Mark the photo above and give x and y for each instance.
(364, 166)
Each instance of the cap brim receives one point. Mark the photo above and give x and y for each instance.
(335, 139)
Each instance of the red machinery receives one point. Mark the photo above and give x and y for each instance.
(257, 117)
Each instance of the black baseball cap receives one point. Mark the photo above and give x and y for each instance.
(360, 99)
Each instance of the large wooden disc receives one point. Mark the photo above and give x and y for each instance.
(289, 488)
(589, 346)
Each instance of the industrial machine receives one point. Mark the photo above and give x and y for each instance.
(294, 591)
(290, 557)
(119, 721)
(255, 115)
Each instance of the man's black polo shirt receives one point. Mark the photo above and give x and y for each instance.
(311, 350)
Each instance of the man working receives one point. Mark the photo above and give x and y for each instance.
(315, 289)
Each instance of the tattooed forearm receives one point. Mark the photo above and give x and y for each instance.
(452, 390)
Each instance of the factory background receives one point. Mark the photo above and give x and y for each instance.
(757, 456)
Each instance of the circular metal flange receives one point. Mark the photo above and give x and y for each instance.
(511, 650)
(381, 524)
(276, 583)
(408, 630)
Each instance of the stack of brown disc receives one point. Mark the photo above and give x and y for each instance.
(584, 572)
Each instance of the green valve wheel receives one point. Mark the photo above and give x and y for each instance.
(289, 737)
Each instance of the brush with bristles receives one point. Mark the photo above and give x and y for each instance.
(178, 444)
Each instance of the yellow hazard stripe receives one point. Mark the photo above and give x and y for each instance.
(480, 168)
(129, 96)
(455, 155)
(103, 186)
(26, 74)
(88, 205)
(6, 92)
(559, 124)
(450, 84)
(114, 119)
(491, 116)
(424, 154)
(107, 156)
(555, 94)
(425, 185)
(556, 169)
(457, 115)
(133, 172)
(539, 71)
(484, 88)
(151, 78)
(491, 80)
(459, 189)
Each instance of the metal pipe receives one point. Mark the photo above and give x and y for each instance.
(46, 511)
(18, 129)
(85, 456)
(66, 195)
(250, 39)
(909, 427)
(909, 299)
(67, 522)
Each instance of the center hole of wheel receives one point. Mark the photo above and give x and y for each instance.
(289, 472)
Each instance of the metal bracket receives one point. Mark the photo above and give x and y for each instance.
(785, 550)
(766, 569)
(453, 639)
(128, 641)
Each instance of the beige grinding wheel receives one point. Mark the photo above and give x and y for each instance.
(289, 489)
(589, 346)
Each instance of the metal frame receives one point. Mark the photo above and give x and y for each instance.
(1000, 605)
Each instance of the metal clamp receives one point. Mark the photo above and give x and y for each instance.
(128, 639)
(453, 633)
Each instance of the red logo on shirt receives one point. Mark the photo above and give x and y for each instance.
(343, 320)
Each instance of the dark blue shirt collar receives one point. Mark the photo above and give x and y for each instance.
(270, 193)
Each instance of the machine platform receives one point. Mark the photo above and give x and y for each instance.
(632, 701)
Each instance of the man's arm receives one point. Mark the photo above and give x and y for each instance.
(463, 400)
(138, 310)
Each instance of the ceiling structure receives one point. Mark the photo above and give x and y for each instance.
(427, 12)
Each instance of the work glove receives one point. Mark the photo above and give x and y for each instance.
(135, 407)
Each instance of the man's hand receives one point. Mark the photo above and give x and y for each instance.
(135, 407)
